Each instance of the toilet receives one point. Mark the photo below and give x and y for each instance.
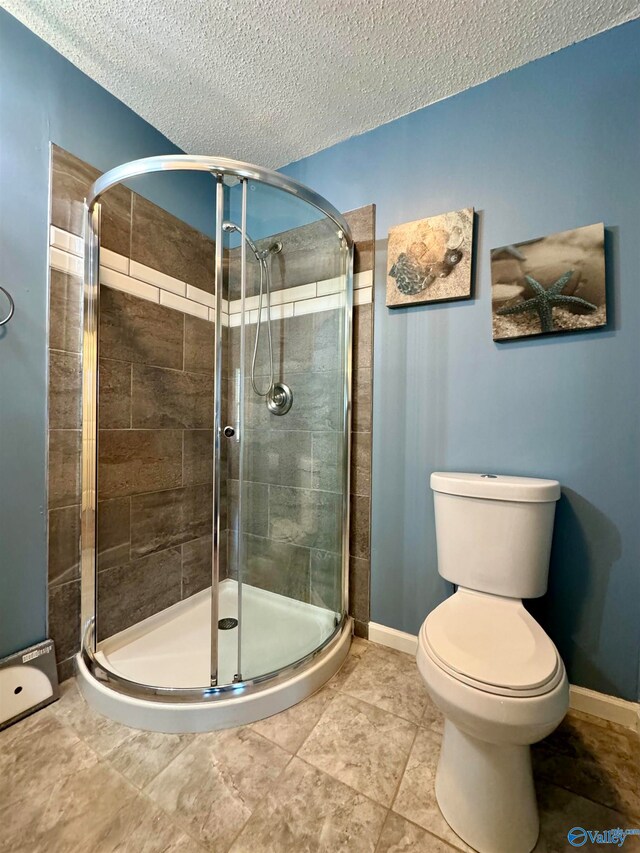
(487, 664)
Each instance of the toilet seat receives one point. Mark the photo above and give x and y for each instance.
(491, 643)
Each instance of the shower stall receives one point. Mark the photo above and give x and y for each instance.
(270, 437)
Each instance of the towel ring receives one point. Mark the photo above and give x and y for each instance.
(12, 306)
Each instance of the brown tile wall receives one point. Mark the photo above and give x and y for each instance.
(154, 459)
(363, 226)
(156, 411)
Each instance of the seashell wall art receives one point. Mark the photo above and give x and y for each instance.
(429, 260)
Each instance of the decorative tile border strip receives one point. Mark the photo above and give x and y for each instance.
(120, 273)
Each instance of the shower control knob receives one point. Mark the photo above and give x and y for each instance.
(229, 431)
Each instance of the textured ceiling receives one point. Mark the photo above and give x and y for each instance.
(271, 81)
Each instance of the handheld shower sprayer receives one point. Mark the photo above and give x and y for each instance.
(279, 396)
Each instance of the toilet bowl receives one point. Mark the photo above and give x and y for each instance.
(487, 664)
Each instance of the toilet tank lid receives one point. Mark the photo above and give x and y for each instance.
(498, 487)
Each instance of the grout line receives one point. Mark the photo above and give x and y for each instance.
(377, 848)
(406, 763)
(184, 340)
(135, 733)
(130, 395)
(273, 782)
(131, 226)
(182, 461)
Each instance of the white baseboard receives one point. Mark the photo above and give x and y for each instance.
(606, 707)
(601, 705)
(394, 639)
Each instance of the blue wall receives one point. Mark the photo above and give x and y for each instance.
(44, 98)
(547, 147)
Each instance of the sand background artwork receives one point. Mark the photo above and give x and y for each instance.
(546, 259)
(437, 233)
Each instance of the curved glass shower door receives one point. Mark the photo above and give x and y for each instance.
(287, 465)
(216, 405)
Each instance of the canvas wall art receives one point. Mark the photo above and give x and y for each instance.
(549, 285)
(429, 260)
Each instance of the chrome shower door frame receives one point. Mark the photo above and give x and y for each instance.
(218, 168)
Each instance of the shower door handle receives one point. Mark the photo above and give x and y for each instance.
(229, 431)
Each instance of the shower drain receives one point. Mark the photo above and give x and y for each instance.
(227, 623)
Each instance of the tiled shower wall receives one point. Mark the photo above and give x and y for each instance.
(156, 403)
(155, 458)
(156, 412)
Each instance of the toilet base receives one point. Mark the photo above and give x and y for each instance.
(486, 794)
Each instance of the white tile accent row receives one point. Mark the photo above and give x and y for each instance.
(293, 294)
(147, 283)
(118, 281)
(66, 241)
(329, 285)
(74, 245)
(278, 312)
(65, 262)
(114, 261)
(363, 296)
(155, 277)
(201, 296)
(363, 279)
(187, 306)
(320, 303)
(250, 303)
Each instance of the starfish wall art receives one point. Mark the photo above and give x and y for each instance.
(548, 285)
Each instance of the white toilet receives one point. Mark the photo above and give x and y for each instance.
(487, 664)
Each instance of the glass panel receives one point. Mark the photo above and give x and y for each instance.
(288, 470)
(225, 610)
(156, 404)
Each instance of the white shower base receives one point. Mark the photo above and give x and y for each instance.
(173, 648)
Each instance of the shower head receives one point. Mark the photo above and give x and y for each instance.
(231, 227)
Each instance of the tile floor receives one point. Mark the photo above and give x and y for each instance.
(350, 769)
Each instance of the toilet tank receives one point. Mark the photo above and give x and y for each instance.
(494, 531)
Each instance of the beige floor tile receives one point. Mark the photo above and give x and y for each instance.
(361, 745)
(359, 645)
(290, 728)
(595, 759)
(562, 810)
(416, 797)
(214, 784)
(142, 827)
(357, 649)
(389, 680)
(400, 836)
(617, 787)
(35, 755)
(101, 733)
(141, 757)
(70, 812)
(584, 738)
(307, 811)
(581, 716)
